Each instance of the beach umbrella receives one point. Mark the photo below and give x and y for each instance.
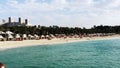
(36, 35)
(30, 36)
(52, 35)
(42, 36)
(24, 36)
(76, 36)
(47, 36)
(10, 36)
(17, 36)
(1, 36)
(9, 32)
(1, 32)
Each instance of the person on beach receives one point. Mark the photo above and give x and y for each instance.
(2, 65)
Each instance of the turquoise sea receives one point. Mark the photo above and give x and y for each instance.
(88, 54)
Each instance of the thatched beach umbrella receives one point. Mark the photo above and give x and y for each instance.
(10, 37)
(1, 37)
(9, 32)
(42, 37)
(18, 38)
(24, 36)
(52, 36)
(1, 32)
(36, 36)
(48, 37)
(30, 36)
(76, 36)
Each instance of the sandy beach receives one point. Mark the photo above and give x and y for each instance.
(16, 44)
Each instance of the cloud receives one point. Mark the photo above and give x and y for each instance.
(81, 13)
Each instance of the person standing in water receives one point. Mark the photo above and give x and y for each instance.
(2, 65)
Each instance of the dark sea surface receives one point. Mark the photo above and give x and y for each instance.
(88, 54)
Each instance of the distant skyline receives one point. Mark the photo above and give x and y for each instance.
(70, 13)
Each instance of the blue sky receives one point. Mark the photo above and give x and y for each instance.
(71, 13)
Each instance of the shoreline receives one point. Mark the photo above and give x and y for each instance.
(4, 45)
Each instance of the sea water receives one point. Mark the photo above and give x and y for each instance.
(88, 54)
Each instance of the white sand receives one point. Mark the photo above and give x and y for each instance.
(15, 44)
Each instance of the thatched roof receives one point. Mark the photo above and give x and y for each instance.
(17, 36)
(42, 36)
(1, 37)
(36, 35)
(30, 36)
(47, 36)
(9, 32)
(1, 32)
(10, 36)
(24, 36)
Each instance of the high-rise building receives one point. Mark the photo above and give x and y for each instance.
(19, 20)
(9, 20)
(11, 23)
(26, 21)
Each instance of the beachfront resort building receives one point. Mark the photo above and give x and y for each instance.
(12, 23)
